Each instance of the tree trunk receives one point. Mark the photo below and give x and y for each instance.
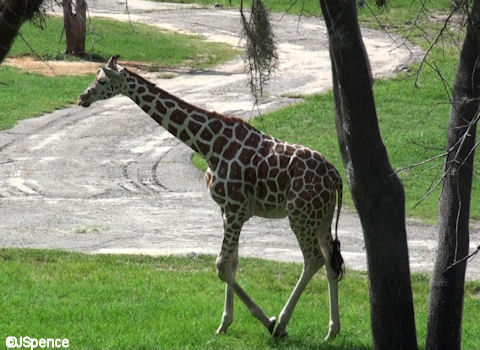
(376, 190)
(75, 25)
(12, 15)
(447, 284)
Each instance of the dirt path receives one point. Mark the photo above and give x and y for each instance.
(107, 179)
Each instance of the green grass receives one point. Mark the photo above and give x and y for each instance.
(24, 95)
(27, 95)
(138, 302)
(105, 38)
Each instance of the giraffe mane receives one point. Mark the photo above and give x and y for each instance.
(213, 114)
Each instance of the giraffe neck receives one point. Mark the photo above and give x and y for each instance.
(192, 125)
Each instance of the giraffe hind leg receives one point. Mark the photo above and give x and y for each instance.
(313, 260)
(333, 268)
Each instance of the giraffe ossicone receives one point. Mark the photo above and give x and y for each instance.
(249, 174)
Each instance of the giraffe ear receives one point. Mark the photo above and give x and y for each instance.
(111, 74)
(112, 62)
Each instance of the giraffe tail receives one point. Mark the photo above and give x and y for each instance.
(337, 259)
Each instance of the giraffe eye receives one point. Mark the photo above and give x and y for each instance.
(102, 80)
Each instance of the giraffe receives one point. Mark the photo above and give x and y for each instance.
(249, 174)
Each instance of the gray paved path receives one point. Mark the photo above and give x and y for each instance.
(107, 179)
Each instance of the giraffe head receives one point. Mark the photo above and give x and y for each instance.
(108, 82)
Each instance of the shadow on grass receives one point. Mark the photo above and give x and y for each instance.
(311, 342)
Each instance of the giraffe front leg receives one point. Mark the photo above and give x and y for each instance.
(227, 317)
(226, 272)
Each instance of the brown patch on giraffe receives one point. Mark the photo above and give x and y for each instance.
(262, 170)
(311, 163)
(272, 186)
(317, 202)
(169, 104)
(284, 160)
(273, 161)
(241, 132)
(299, 202)
(307, 154)
(297, 184)
(327, 182)
(326, 196)
(160, 107)
(280, 148)
(223, 169)
(178, 117)
(140, 89)
(219, 144)
(235, 171)
(219, 199)
(184, 136)
(309, 175)
(273, 172)
(231, 150)
(148, 98)
(157, 118)
(194, 127)
(213, 163)
(228, 132)
(199, 118)
(215, 126)
(252, 140)
(246, 156)
(146, 108)
(173, 130)
(219, 188)
(272, 198)
(206, 135)
(203, 147)
(261, 190)
(237, 196)
(283, 179)
(318, 156)
(251, 175)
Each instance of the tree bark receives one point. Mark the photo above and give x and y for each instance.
(75, 25)
(12, 15)
(376, 190)
(447, 284)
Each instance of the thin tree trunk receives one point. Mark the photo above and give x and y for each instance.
(12, 15)
(447, 284)
(75, 25)
(376, 190)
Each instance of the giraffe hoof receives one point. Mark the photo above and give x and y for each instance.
(271, 327)
(332, 333)
(280, 333)
(221, 330)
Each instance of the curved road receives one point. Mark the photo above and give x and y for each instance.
(108, 179)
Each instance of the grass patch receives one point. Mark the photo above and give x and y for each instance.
(106, 37)
(139, 302)
(28, 95)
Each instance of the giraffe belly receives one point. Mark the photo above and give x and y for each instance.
(270, 210)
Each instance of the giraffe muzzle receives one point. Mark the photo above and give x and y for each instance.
(83, 100)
